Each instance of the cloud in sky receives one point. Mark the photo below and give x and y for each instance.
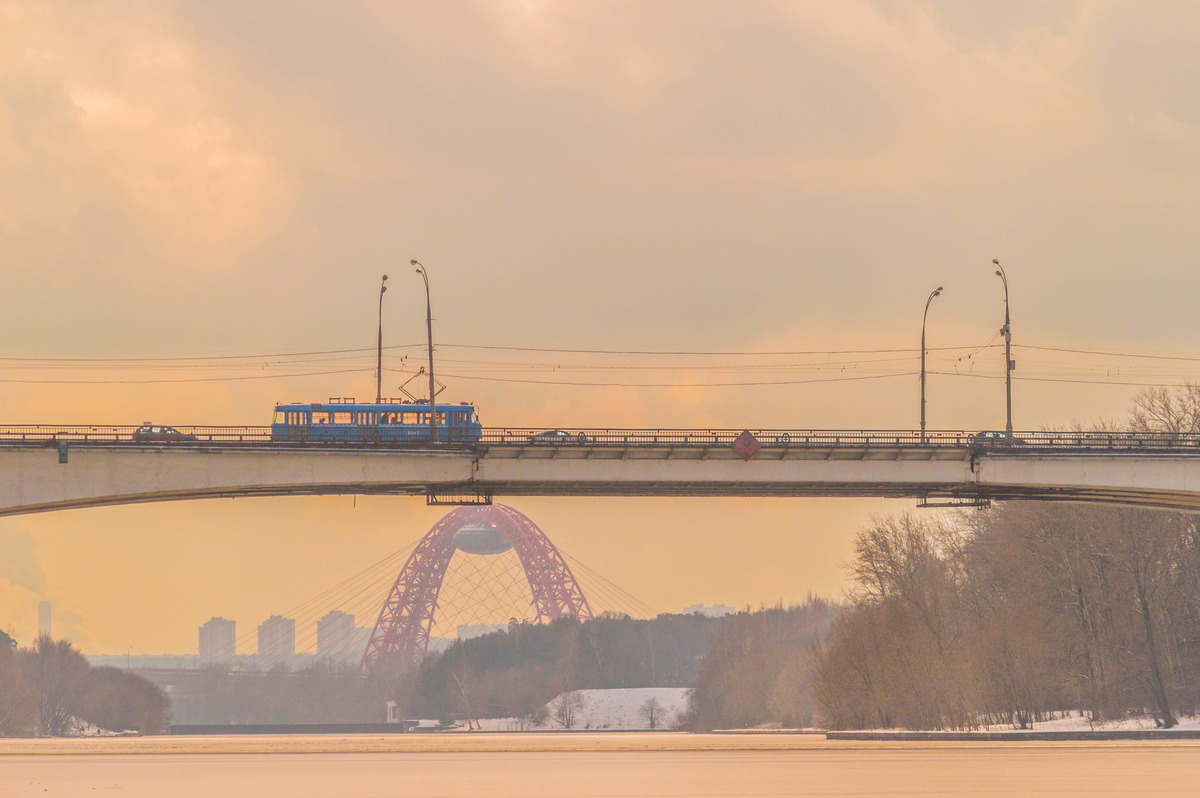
(187, 161)
(227, 177)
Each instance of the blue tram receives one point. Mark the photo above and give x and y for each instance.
(390, 421)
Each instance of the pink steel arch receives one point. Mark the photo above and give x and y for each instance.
(406, 618)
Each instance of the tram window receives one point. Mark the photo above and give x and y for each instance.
(321, 416)
(279, 417)
(342, 417)
(441, 418)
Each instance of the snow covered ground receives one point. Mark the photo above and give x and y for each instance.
(1076, 721)
(618, 709)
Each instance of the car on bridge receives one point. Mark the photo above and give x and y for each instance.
(995, 438)
(559, 437)
(156, 433)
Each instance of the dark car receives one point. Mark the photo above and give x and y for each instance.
(559, 436)
(156, 433)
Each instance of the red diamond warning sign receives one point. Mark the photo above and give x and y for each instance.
(746, 445)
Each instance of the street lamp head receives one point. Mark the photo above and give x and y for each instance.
(938, 292)
(385, 278)
(413, 262)
(995, 261)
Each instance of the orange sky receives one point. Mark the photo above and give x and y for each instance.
(181, 179)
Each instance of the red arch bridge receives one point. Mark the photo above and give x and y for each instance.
(407, 615)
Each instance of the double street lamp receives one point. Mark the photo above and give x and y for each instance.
(936, 292)
(1009, 363)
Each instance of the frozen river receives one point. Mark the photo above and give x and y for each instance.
(588, 765)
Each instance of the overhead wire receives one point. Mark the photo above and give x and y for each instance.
(832, 366)
(615, 384)
(178, 380)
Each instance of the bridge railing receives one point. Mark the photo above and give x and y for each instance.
(124, 434)
(260, 436)
(718, 437)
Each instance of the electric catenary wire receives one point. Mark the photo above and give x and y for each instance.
(617, 368)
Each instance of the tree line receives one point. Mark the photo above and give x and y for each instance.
(1027, 609)
(740, 667)
(44, 688)
(518, 672)
(324, 692)
(757, 668)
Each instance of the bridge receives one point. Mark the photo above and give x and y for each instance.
(56, 468)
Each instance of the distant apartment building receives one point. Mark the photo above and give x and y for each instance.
(44, 619)
(339, 639)
(277, 638)
(715, 611)
(218, 640)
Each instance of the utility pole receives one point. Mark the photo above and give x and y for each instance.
(1009, 364)
(433, 434)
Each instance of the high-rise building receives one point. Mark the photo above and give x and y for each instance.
(333, 633)
(218, 640)
(44, 619)
(339, 639)
(277, 638)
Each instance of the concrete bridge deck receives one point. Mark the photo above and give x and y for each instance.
(1122, 468)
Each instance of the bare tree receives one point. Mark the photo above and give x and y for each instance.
(652, 711)
(56, 672)
(17, 701)
(464, 681)
(1167, 410)
(566, 707)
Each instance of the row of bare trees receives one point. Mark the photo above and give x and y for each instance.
(756, 669)
(46, 687)
(1023, 610)
(1015, 613)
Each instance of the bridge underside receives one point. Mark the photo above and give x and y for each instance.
(963, 493)
(35, 481)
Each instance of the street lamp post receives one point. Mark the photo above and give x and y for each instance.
(936, 292)
(379, 354)
(433, 435)
(1006, 331)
